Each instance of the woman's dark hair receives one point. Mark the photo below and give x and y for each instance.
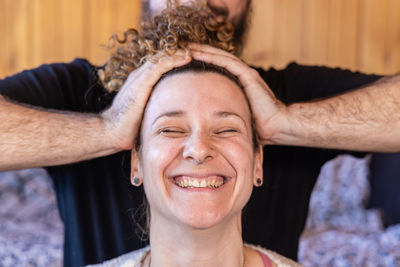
(200, 66)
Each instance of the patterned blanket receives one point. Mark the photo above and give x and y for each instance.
(339, 230)
(31, 232)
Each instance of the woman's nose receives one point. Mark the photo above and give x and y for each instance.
(198, 148)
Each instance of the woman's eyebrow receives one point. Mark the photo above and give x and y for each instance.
(174, 113)
(228, 114)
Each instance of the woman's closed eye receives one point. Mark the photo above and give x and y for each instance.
(226, 132)
(172, 132)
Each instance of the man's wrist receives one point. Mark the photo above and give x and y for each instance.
(114, 134)
(276, 129)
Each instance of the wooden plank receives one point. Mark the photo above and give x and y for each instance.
(17, 47)
(288, 33)
(29, 24)
(86, 19)
(349, 24)
(372, 36)
(3, 39)
(392, 50)
(99, 29)
(48, 26)
(72, 28)
(334, 33)
(10, 39)
(259, 48)
(342, 34)
(19, 34)
(315, 42)
(36, 51)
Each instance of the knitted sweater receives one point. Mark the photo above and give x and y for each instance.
(135, 258)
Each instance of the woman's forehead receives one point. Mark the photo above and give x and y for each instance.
(198, 91)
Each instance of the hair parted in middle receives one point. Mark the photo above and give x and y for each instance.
(172, 29)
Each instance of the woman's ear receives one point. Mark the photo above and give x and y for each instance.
(136, 174)
(258, 166)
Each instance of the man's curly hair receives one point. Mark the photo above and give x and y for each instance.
(174, 28)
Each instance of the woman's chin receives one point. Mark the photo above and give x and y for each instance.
(201, 208)
(201, 220)
(202, 215)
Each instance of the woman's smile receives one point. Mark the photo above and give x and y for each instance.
(205, 182)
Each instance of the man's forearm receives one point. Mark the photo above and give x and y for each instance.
(31, 137)
(367, 119)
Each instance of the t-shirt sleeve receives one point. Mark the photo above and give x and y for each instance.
(298, 83)
(63, 86)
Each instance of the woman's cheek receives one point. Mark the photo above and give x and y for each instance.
(236, 149)
(160, 154)
(161, 149)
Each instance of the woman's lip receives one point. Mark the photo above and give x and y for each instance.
(199, 175)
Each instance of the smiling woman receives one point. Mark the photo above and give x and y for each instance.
(197, 153)
(197, 157)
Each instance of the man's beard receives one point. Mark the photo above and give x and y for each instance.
(240, 23)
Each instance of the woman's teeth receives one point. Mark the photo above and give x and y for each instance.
(199, 183)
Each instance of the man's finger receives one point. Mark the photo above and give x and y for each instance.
(149, 73)
(236, 67)
(211, 50)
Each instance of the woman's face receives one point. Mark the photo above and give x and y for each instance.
(197, 158)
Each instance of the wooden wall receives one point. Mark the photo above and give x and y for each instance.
(33, 32)
(357, 34)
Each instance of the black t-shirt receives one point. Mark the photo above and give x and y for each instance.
(97, 202)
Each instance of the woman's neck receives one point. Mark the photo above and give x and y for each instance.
(177, 245)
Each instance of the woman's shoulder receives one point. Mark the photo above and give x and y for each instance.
(279, 260)
(131, 259)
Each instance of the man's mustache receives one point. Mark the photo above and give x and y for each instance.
(219, 11)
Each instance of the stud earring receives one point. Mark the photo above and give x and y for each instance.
(259, 182)
(136, 181)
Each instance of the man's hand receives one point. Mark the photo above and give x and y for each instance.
(366, 119)
(267, 110)
(34, 137)
(122, 120)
